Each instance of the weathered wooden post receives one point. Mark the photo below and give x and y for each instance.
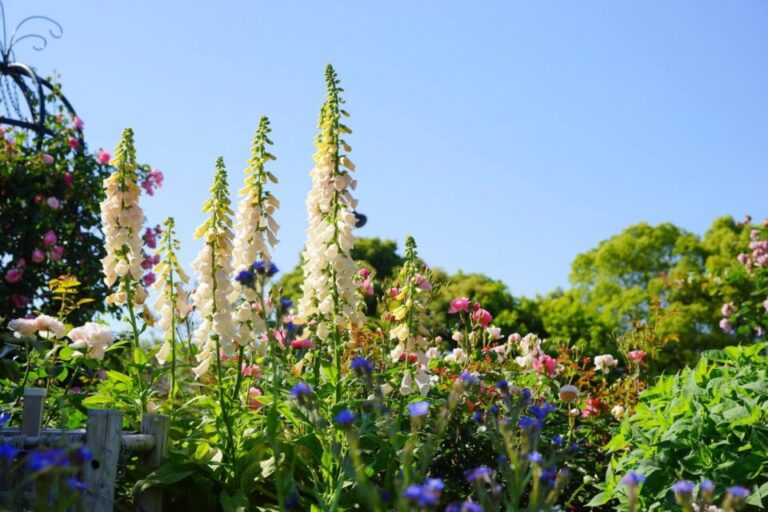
(32, 414)
(102, 438)
(156, 425)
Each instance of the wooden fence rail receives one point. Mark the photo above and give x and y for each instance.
(104, 438)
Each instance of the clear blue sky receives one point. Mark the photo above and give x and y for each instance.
(505, 136)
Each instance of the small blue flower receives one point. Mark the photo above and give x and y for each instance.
(502, 386)
(8, 452)
(494, 409)
(526, 422)
(4, 417)
(557, 440)
(76, 484)
(535, 457)
(285, 303)
(683, 487)
(245, 278)
(262, 268)
(633, 479)
(526, 395)
(467, 506)
(427, 494)
(479, 474)
(468, 378)
(738, 491)
(301, 392)
(541, 411)
(418, 409)
(344, 418)
(362, 366)
(83, 454)
(477, 416)
(707, 486)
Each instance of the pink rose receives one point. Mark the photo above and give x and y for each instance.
(104, 157)
(19, 301)
(364, 273)
(726, 325)
(53, 203)
(727, 309)
(636, 356)
(57, 252)
(49, 239)
(14, 275)
(73, 142)
(393, 292)
(253, 402)
(68, 179)
(252, 370)
(47, 159)
(458, 305)
(482, 316)
(78, 123)
(299, 344)
(546, 364)
(38, 256)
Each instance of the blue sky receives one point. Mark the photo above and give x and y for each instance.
(505, 136)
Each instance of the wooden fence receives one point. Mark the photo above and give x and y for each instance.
(104, 438)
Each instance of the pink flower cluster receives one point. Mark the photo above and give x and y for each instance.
(759, 255)
(153, 181)
(365, 282)
(463, 305)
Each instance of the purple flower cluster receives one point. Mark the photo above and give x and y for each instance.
(426, 494)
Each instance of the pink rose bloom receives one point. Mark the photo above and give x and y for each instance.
(19, 301)
(727, 309)
(68, 178)
(636, 356)
(394, 292)
(299, 344)
(104, 156)
(459, 304)
(21, 263)
(49, 239)
(57, 252)
(38, 256)
(252, 370)
(482, 316)
(47, 159)
(253, 401)
(726, 325)
(546, 364)
(38, 199)
(364, 273)
(53, 203)
(14, 275)
(78, 123)
(73, 142)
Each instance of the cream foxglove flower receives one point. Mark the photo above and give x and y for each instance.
(255, 234)
(214, 336)
(122, 219)
(329, 293)
(171, 303)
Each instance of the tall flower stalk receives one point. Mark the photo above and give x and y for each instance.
(172, 302)
(329, 304)
(122, 220)
(214, 336)
(255, 233)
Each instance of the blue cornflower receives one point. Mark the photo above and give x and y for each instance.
(527, 422)
(535, 457)
(683, 487)
(549, 475)
(738, 491)
(468, 378)
(266, 270)
(426, 494)
(76, 484)
(8, 452)
(42, 460)
(418, 409)
(557, 440)
(494, 409)
(83, 454)
(467, 506)
(301, 392)
(541, 411)
(362, 366)
(344, 418)
(479, 474)
(707, 486)
(574, 447)
(289, 326)
(526, 395)
(285, 303)
(633, 479)
(502, 386)
(245, 278)
(477, 416)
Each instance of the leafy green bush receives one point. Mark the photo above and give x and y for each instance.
(707, 422)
